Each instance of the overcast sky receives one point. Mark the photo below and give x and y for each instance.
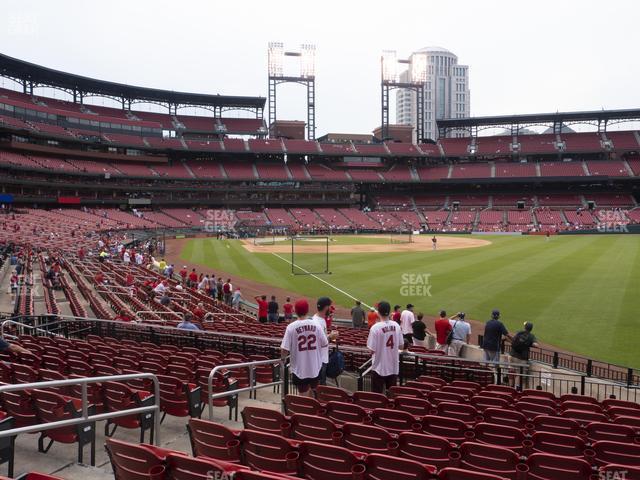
(524, 56)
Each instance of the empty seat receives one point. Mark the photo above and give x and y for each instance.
(397, 391)
(117, 397)
(584, 417)
(265, 420)
(546, 423)
(483, 402)
(264, 451)
(367, 438)
(452, 429)
(500, 435)
(423, 448)
(341, 412)
(544, 466)
(607, 452)
(488, 459)
(532, 410)
(210, 439)
(396, 421)
(507, 417)
(418, 407)
(325, 393)
(315, 429)
(462, 411)
(597, 431)
(370, 400)
(451, 473)
(305, 405)
(179, 398)
(385, 467)
(327, 462)
(438, 396)
(52, 407)
(132, 462)
(557, 444)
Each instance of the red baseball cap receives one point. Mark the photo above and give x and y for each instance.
(301, 307)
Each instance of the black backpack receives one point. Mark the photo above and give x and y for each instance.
(521, 341)
(336, 364)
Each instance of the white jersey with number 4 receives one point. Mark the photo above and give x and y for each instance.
(304, 340)
(385, 340)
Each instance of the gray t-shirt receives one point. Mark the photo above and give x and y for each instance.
(461, 329)
(357, 316)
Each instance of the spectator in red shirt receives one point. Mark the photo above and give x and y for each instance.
(99, 278)
(183, 274)
(443, 327)
(396, 314)
(199, 312)
(263, 307)
(130, 280)
(287, 308)
(81, 253)
(193, 279)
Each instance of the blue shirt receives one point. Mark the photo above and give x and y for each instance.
(493, 331)
(188, 326)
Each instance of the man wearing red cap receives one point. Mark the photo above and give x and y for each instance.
(304, 340)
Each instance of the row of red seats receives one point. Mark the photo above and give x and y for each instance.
(334, 455)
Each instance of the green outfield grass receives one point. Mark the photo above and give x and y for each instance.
(581, 292)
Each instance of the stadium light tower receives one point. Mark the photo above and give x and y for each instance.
(417, 77)
(306, 77)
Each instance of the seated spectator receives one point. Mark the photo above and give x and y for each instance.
(187, 323)
(198, 311)
(160, 288)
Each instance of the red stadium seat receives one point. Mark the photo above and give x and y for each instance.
(340, 412)
(313, 428)
(500, 435)
(133, 462)
(488, 459)
(546, 423)
(179, 398)
(505, 416)
(597, 431)
(52, 407)
(415, 406)
(423, 448)
(557, 444)
(326, 394)
(209, 439)
(327, 462)
(451, 473)
(385, 467)
(544, 466)
(370, 400)
(367, 438)
(266, 420)
(263, 451)
(305, 405)
(396, 421)
(452, 429)
(117, 397)
(607, 452)
(467, 413)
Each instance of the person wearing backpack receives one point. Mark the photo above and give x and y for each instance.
(521, 344)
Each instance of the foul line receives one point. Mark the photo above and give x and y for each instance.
(322, 280)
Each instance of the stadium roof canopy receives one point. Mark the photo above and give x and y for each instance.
(31, 75)
(596, 117)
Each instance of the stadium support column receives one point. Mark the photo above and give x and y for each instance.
(272, 101)
(311, 109)
(385, 111)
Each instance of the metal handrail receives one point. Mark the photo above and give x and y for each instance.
(85, 403)
(31, 327)
(252, 387)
